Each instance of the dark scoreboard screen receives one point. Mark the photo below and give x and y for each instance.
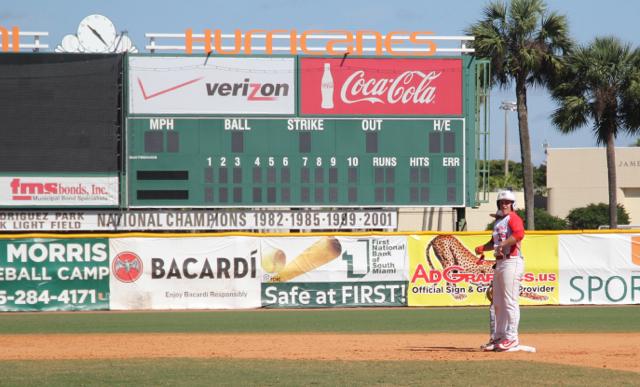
(291, 162)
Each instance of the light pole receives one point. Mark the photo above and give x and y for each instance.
(507, 106)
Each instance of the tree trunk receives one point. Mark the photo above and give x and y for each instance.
(611, 175)
(525, 150)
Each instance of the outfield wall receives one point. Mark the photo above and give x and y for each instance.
(247, 271)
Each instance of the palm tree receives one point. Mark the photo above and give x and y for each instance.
(525, 44)
(601, 85)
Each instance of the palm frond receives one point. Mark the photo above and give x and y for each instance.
(496, 10)
(630, 98)
(572, 114)
(524, 16)
(554, 34)
(601, 84)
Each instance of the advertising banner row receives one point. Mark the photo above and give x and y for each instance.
(271, 86)
(242, 272)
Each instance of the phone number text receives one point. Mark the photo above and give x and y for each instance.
(33, 297)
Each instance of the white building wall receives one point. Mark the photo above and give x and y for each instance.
(444, 219)
(577, 177)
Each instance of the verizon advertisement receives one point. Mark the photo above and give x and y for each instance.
(185, 273)
(200, 85)
(32, 191)
(381, 86)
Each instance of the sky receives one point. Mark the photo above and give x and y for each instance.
(587, 19)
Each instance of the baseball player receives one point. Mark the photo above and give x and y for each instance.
(493, 340)
(508, 233)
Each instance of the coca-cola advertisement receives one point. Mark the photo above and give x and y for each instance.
(381, 86)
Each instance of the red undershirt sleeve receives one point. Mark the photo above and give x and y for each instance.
(517, 227)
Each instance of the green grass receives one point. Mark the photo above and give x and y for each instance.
(398, 320)
(232, 372)
(198, 372)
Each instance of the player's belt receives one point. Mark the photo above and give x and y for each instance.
(509, 257)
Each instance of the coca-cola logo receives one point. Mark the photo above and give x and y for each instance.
(413, 87)
(405, 87)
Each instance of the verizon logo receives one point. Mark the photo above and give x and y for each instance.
(147, 96)
(409, 87)
(253, 91)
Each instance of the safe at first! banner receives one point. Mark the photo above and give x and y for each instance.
(444, 271)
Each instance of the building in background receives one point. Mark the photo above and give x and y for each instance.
(444, 219)
(577, 177)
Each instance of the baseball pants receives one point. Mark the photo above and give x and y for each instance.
(506, 296)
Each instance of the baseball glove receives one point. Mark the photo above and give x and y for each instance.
(489, 293)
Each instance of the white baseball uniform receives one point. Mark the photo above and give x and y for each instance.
(507, 277)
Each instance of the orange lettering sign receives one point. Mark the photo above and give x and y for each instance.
(348, 42)
(15, 39)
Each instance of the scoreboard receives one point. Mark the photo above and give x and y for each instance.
(297, 161)
(271, 135)
(307, 132)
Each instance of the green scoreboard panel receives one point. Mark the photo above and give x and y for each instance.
(291, 162)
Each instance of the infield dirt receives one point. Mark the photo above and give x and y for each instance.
(619, 351)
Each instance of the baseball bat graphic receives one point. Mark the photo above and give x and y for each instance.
(316, 255)
(273, 260)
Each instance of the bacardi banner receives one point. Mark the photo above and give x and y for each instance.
(380, 86)
(445, 271)
(211, 85)
(332, 271)
(54, 274)
(185, 273)
(49, 191)
(599, 269)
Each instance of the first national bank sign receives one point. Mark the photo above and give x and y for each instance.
(333, 42)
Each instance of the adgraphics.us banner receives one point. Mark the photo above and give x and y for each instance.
(444, 271)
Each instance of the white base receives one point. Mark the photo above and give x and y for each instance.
(523, 348)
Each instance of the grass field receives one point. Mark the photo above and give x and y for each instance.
(198, 372)
(221, 371)
(398, 320)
